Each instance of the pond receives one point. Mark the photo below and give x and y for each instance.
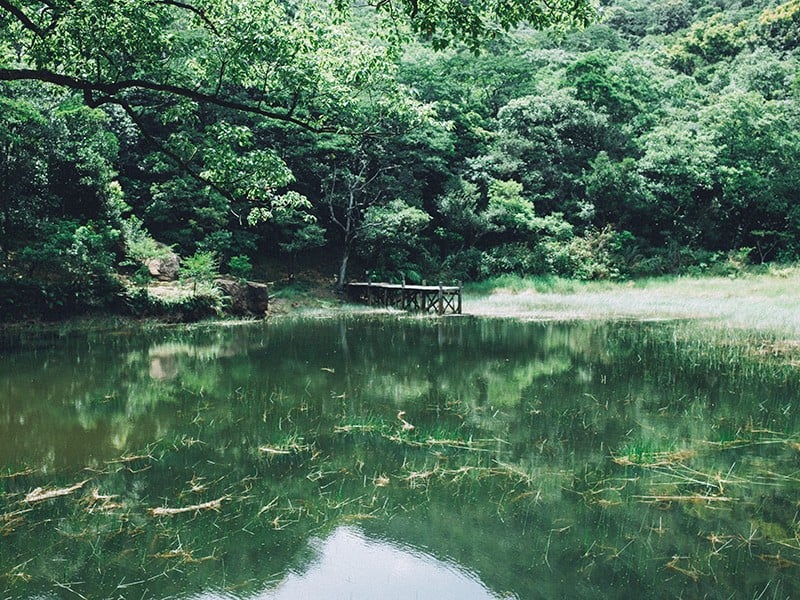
(398, 457)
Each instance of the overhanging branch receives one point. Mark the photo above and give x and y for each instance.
(182, 164)
(21, 17)
(97, 92)
(193, 9)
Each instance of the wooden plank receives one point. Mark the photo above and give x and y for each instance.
(438, 299)
(397, 286)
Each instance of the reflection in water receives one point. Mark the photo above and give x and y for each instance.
(546, 460)
(163, 367)
(165, 357)
(349, 565)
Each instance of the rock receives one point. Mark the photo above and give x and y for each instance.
(164, 268)
(247, 297)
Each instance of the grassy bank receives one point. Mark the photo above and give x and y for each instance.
(767, 301)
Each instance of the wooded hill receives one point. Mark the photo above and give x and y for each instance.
(411, 141)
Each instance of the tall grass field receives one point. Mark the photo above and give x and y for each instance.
(766, 301)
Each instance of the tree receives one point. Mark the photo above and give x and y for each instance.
(618, 84)
(447, 22)
(23, 165)
(56, 163)
(620, 195)
(764, 71)
(299, 231)
(544, 142)
(352, 188)
(264, 57)
(671, 16)
(391, 239)
(458, 211)
(292, 63)
(509, 212)
(757, 171)
(202, 82)
(707, 42)
(679, 164)
(779, 27)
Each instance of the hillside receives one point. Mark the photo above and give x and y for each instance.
(661, 138)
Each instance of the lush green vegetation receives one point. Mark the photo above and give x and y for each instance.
(422, 140)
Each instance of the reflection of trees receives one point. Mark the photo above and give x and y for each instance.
(97, 391)
(508, 468)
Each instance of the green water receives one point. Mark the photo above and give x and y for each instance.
(382, 457)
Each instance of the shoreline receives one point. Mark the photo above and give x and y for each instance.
(763, 302)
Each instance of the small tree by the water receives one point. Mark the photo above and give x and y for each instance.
(200, 268)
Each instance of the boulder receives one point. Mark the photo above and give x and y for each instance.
(247, 297)
(164, 268)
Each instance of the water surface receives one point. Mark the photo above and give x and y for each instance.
(368, 457)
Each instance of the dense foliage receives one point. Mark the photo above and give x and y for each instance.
(417, 140)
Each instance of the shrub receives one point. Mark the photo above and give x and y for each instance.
(595, 255)
(201, 267)
(68, 269)
(517, 258)
(185, 307)
(139, 245)
(464, 265)
(240, 266)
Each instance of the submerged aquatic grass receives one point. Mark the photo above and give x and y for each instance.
(639, 459)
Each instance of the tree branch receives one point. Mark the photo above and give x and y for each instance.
(21, 17)
(200, 14)
(169, 153)
(110, 91)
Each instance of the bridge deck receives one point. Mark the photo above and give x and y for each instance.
(438, 299)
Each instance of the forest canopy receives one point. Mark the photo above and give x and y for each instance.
(412, 138)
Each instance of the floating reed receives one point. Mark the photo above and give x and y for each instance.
(654, 459)
(366, 427)
(97, 501)
(40, 494)
(17, 474)
(210, 505)
(431, 442)
(691, 573)
(686, 498)
(293, 448)
(10, 521)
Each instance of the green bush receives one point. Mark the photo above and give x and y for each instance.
(68, 269)
(139, 302)
(202, 267)
(464, 265)
(240, 266)
(517, 259)
(49, 300)
(139, 245)
(721, 264)
(595, 255)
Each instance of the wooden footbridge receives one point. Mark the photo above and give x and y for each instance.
(438, 299)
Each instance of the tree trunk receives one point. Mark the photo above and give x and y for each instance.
(343, 269)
